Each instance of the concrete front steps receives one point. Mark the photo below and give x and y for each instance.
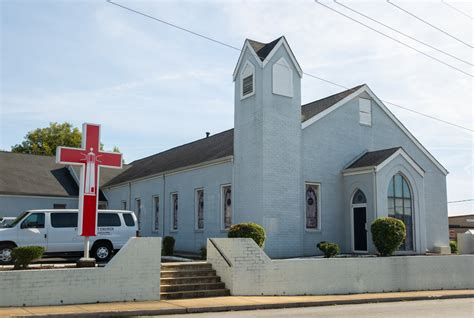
(190, 280)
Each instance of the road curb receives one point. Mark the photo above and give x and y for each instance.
(184, 310)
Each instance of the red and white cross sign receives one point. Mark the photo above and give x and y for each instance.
(90, 158)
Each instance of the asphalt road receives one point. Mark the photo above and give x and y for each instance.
(458, 308)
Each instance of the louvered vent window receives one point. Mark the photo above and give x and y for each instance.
(247, 85)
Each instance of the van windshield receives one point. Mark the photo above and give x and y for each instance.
(17, 220)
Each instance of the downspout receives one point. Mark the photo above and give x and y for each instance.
(375, 194)
(130, 196)
(164, 203)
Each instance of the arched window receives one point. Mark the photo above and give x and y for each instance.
(400, 206)
(359, 198)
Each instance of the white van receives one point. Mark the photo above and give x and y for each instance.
(56, 231)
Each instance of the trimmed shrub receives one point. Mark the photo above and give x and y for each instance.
(454, 247)
(203, 252)
(329, 249)
(23, 256)
(387, 234)
(250, 230)
(168, 246)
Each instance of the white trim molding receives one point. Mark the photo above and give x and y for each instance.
(377, 101)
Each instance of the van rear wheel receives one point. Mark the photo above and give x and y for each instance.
(6, 253)
(102, 251)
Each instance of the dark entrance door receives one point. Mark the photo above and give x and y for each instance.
(360, 233)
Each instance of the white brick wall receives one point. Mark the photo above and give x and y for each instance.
(253, 273)
(133, 274)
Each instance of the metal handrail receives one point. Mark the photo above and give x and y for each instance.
(220, 252)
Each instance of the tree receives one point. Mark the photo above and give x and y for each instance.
(44, 141)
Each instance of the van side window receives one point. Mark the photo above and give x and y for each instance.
(108, 219)
(34, 221)
(64, 220)
(128, 219)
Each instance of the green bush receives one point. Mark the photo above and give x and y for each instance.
(168, 245)
(329, 249)
(203, 252)
(387, 234)
(250, 230)
(23, 256)
(454, 247)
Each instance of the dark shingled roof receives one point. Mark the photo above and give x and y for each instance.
(312, 109)
(207, 149)
(27, 174)
(263, 49)
(373, 158)
(214, 147)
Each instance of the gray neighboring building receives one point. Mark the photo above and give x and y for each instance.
(38, 182)
(308, 173)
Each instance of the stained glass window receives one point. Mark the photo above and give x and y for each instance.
(174, 206)
(359, 198)
(156, 216)
(227, 206)
(312, 206)
(200, 209)
(400, 206)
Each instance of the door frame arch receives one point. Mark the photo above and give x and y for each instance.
(352, 207)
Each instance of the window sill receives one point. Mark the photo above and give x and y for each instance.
(312, 230)
(199, 230)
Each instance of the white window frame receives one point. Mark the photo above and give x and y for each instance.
(153, 204)
(123, 205)
(319, 199)
(172, 229)
(221, 209)
(363, 103)
(196, 209)
(138, 212)
(247, 70)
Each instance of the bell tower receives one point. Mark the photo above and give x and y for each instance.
(268, 187)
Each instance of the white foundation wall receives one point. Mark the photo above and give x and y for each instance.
(253, 273)
(133, 274)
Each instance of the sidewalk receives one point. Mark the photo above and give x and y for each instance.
(183, 306)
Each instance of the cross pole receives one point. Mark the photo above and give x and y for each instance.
(90, 159)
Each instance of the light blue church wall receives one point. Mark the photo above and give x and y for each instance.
(334, 141)
(209, 178)
(11, 205)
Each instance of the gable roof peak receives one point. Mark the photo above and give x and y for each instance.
(263, 49)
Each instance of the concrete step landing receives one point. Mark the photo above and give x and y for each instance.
(190, 280)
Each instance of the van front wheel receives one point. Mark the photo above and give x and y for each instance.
(6, 253)
(102, 251)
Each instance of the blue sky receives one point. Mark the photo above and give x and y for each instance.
(153, 87)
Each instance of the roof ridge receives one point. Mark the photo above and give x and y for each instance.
(333, 95)
(24, 153)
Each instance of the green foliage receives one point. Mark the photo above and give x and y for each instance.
(329, 249)
(250, 230)
(168, 245)
(23, 256)
(387, 234)
(203, 252)
(44, 141)
(454, 247)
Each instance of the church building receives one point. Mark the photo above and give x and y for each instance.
(323, 171)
